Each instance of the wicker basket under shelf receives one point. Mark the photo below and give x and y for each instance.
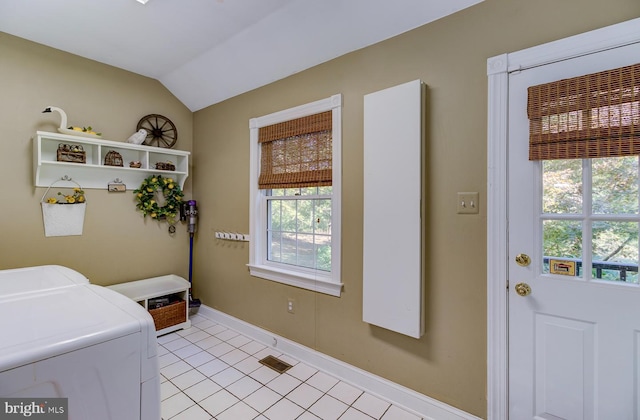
(171, 314)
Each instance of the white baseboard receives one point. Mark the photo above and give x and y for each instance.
(412, 401)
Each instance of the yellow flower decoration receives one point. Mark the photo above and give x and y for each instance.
(75, 198)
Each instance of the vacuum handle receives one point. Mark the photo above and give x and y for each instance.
(191, 211)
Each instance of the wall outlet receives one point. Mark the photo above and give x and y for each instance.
(291, 306)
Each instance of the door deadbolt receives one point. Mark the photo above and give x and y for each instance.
(523, 260)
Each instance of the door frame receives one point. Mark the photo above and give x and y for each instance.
(498, 69)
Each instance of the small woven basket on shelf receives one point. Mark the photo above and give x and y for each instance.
(169, 315)
(113, 158)
(165, 166)
(72, 153)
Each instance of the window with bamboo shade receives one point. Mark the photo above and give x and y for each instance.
(590, 116)
(295, 196)
(296, 153)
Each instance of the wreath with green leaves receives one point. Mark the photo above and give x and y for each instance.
(148, 194)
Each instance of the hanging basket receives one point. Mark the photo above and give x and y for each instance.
(62, 219)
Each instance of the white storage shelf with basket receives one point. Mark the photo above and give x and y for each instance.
(85, 160)
(165, 297)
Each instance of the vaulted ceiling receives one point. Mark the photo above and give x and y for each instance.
(206, 51)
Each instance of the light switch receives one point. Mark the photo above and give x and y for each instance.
(468, 203)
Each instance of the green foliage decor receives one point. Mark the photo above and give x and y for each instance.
(147, 198)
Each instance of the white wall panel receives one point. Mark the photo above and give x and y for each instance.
(393, 172)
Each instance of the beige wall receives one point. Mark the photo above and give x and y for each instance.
(117, 244)
(449, 362)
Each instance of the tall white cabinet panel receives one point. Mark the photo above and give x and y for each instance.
(393, 284)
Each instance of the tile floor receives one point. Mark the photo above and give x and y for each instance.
(212, 372)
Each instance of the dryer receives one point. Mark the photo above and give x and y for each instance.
(62, 336)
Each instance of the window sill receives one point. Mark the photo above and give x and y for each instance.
(297, 279)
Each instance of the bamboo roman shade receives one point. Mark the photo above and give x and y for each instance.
(296, 153)
(596, 115)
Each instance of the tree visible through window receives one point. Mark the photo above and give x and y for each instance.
(598, 197)
(299, 228)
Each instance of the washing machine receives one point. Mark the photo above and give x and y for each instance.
(63, 337)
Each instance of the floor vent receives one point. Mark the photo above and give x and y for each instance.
(275, 364)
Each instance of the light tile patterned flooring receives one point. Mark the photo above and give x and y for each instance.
(212, 372)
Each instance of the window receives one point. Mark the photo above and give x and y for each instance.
(591, 218)
(295, 189)
(586, 132)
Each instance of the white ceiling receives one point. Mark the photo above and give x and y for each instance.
(206, 51)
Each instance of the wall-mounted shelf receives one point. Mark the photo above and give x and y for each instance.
(94, 173)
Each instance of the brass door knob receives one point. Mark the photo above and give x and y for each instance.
(523, 289)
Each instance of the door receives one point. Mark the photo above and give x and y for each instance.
(574, 297)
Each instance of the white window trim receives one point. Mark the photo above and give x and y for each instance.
(316, 280)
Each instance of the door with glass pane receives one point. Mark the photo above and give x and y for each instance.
(574, 297)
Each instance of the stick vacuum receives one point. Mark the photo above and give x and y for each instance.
(191, 211)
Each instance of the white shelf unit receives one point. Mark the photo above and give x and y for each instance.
(156, 287)
(94, 173)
